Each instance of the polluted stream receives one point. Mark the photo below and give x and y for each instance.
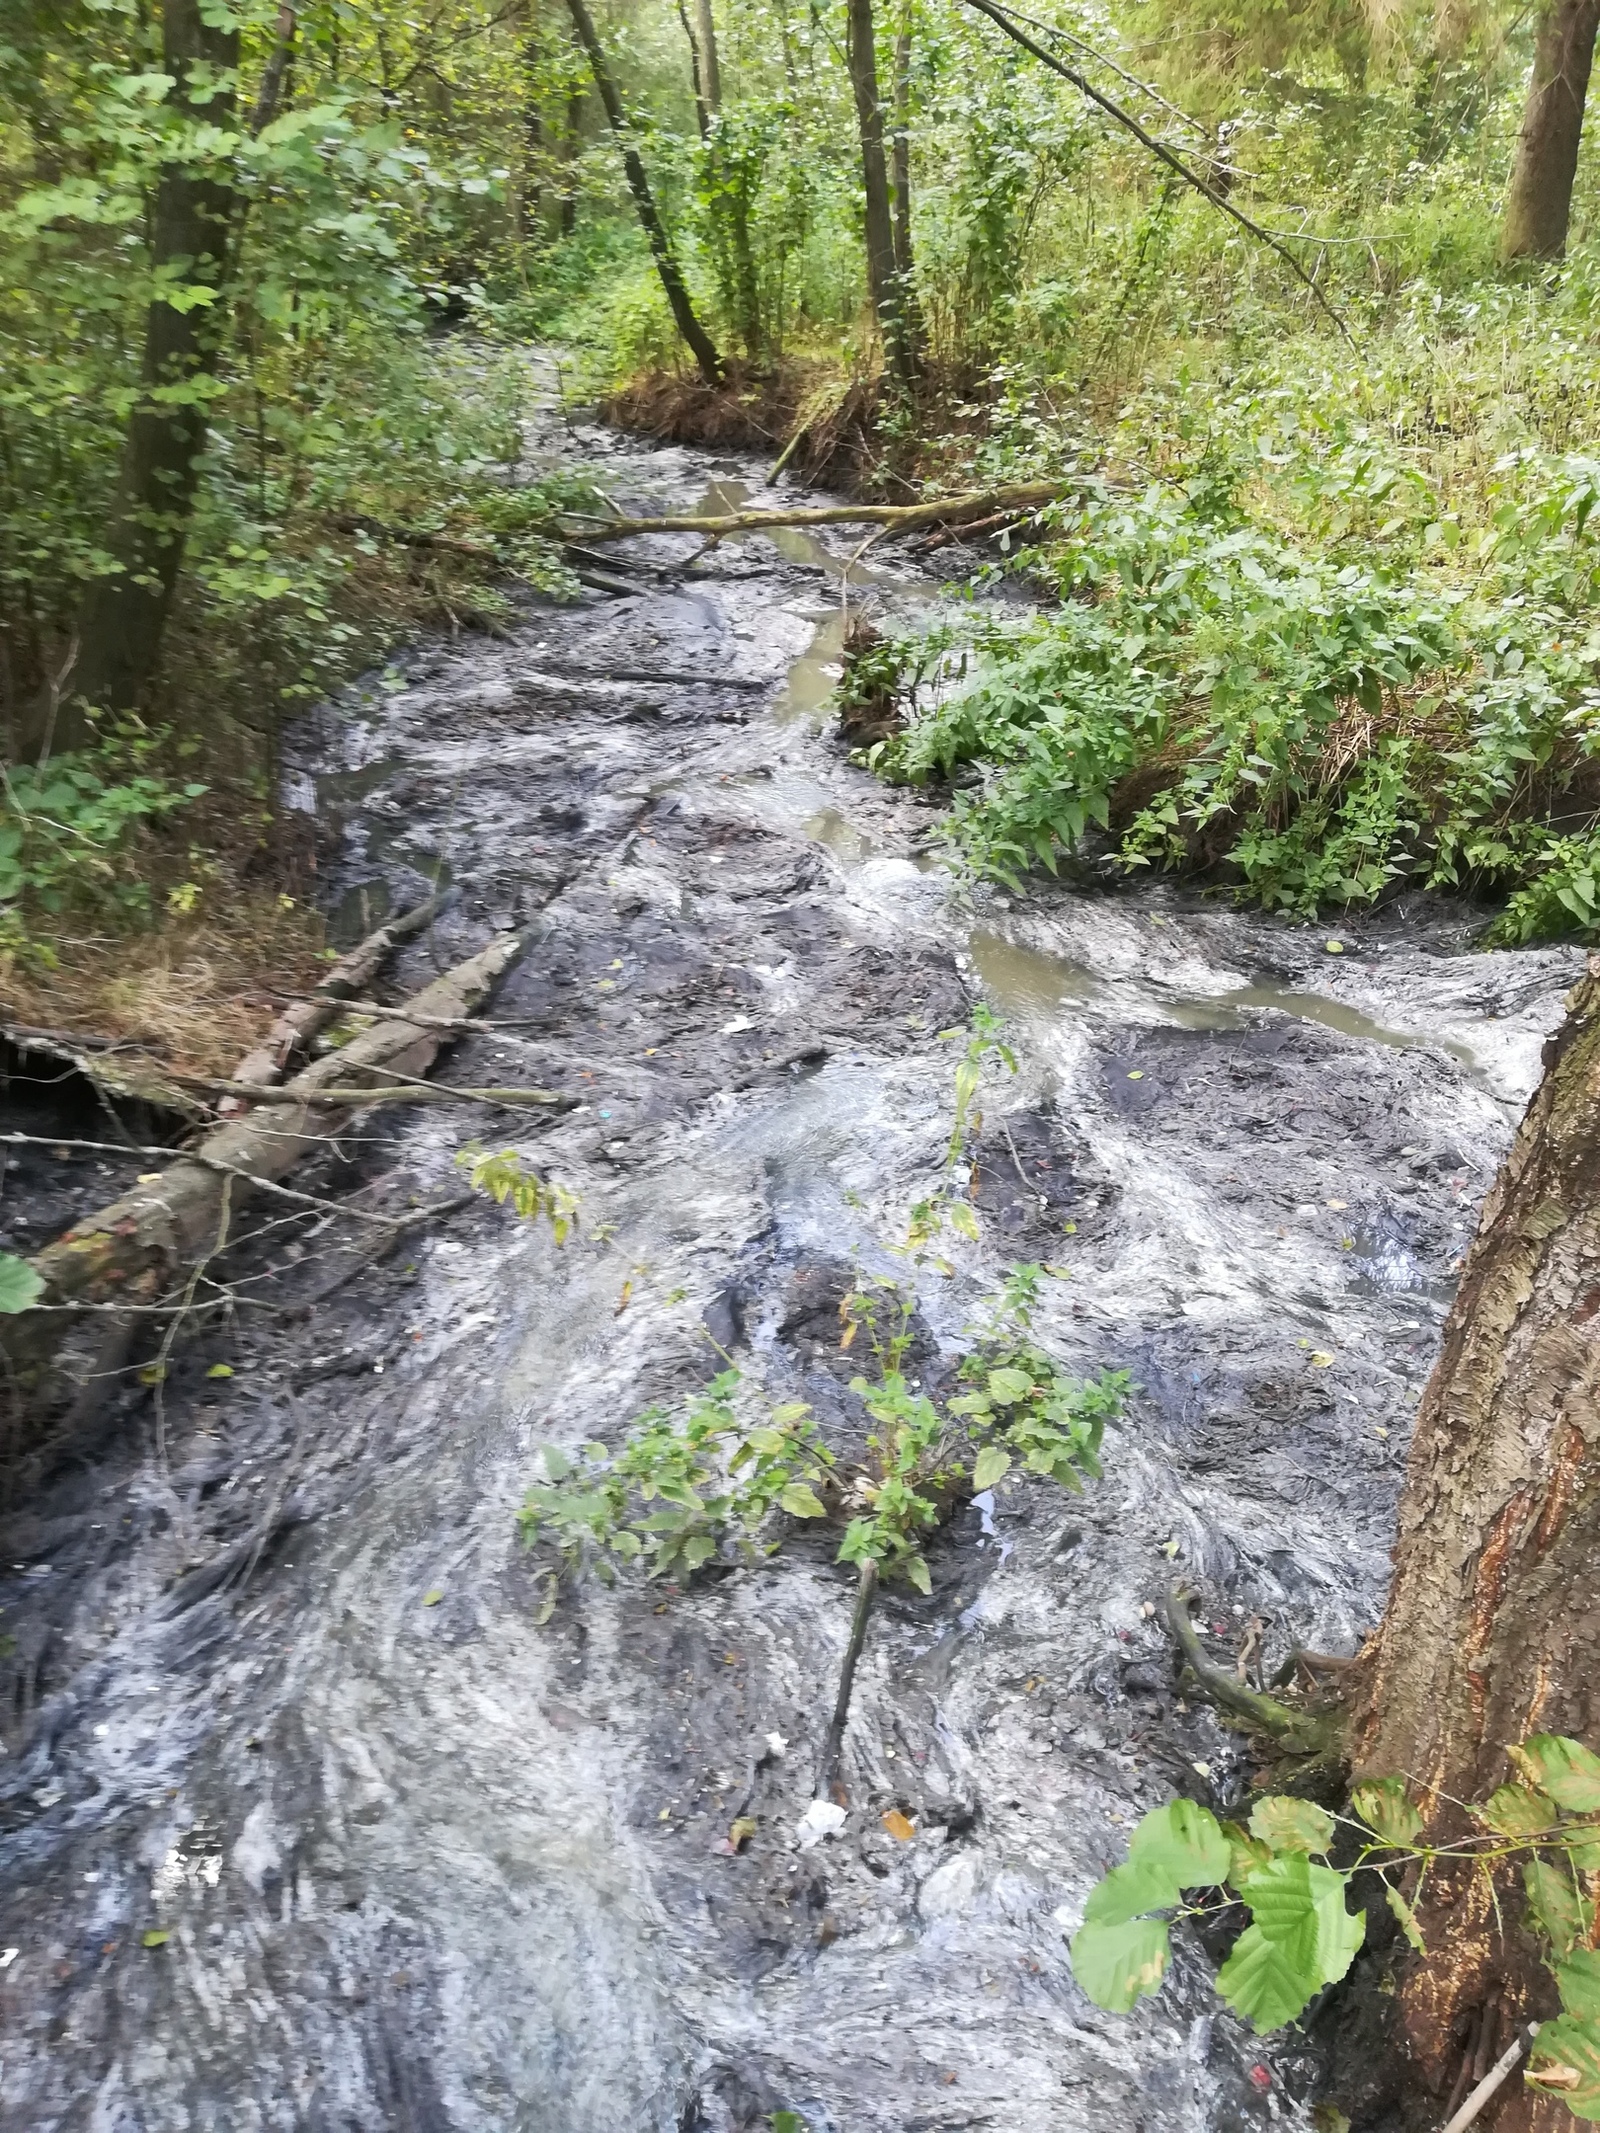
(309, 1822)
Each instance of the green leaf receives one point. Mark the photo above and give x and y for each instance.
(991, 1465)
(771, 1442)
(1578, 1981)
(1129, 1890)
(697, 1549)
(1007, 1386)
(963, 1220)
(802, 1501)
(787, 2122)
(1387, 1810)
(1263, 1981)
(433, 1597)
(20, 1286)
(1554, 1903)
(1514, 1811)
(219, 1370)
(1246, 1853)
(1291, 1825)
(1563, 1768)
(916, 1570)
(1185, 1841)
(156, 1938)
(1565, 2062)
(556, 1463)
(1407, 1917)
(1301, 1939)
(1118, 1966)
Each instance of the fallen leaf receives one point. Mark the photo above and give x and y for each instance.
(623, 1299)
(219, 1370)
(1321, 1358)
(155, 1939)
(150, 1177)
(433, 1597)
(1137, 1074)
(740, 1832)
(1338, 1206)
(1334, 947)
(899, 1826)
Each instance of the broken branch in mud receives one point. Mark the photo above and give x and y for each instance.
(137, 1247)
(904, 518)
(410, 1092)
(833, 1746)
(1301, 1732)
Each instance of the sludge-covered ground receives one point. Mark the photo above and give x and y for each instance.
(276, 1687)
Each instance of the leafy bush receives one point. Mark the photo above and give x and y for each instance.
(70, 837)
(1209, 695)
(686, 1487)
(1302, 1937)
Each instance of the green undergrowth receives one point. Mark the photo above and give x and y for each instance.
(1296, 664)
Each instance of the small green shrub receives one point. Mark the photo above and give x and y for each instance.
(70, 837)
(1301, 1936)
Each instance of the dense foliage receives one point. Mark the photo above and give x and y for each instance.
(1323, 614)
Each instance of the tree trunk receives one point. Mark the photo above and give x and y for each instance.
(702, 110)
(710, 66)
(708, 362)
(569, 189)
(883, 281)
(1492, 1624)
(901, 164)
(1539, 198)
(123, 617)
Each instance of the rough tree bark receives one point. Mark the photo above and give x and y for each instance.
(123, 617)
(1539, 198)
(698, 341)
(883, 279)
(1493, 1622)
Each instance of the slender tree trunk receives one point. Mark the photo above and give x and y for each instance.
(569, 148)
(900, 163)
(710, 65)
(702, 110)
(123, 617)
(1492, 1627)
(700, 344)
(883, 282)
(1539, 198)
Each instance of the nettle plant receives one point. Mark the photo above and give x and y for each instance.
(1302, 1936)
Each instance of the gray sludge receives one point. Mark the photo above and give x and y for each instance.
(423, 1864)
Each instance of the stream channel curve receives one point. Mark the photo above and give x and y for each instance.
(276, 1700)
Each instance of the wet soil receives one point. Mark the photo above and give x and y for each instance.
(308, 1824)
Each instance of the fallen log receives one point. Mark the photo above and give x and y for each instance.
(938, 510)
(295, 1028)
(132, 1251)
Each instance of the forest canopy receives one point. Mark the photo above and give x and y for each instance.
(1293, 301)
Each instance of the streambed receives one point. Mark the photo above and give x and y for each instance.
(412, 1861)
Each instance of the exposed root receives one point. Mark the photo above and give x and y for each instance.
(1298, 1732)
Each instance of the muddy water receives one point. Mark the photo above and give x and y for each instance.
(406, 1859)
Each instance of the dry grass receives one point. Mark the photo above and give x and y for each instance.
(195, 991)
(817, 413)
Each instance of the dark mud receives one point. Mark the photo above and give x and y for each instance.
(308, 1825)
